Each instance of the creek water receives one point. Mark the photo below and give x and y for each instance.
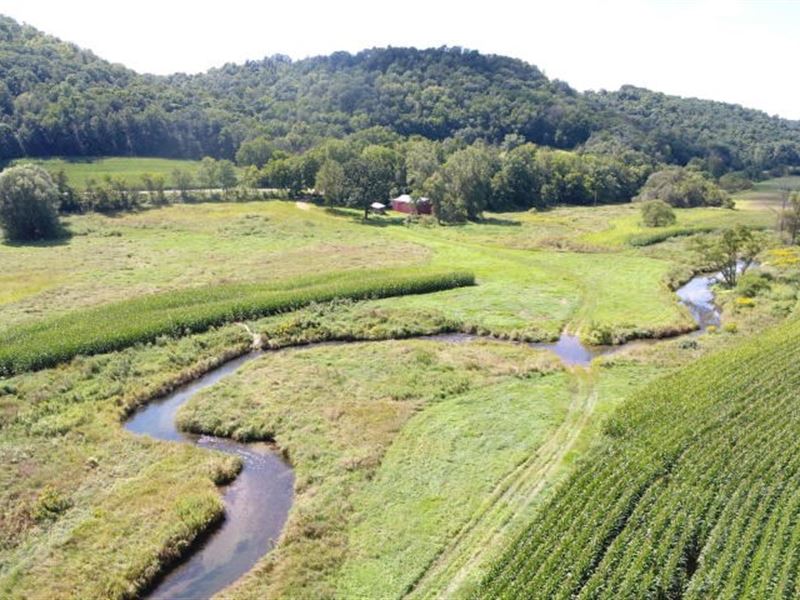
(696, 295)
(257, 503)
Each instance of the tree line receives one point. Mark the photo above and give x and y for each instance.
(460, 180)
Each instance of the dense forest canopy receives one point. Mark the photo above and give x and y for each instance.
(57, 99)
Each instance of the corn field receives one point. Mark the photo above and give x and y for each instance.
(122, 324)
(694, 492)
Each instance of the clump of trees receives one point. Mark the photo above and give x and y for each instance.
(731, 252)
(462, 187)
(657, 213)
(217, 174)
(112, 194)
(683, 188)
(462, 180)
(28, 204)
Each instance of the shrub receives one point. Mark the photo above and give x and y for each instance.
(730, 328)
(657, 213)
(600, 335)
(49, 505)
(751, 284)
(28, 204)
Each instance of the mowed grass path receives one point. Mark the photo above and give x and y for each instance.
(129, 169)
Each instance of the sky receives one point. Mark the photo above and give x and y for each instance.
(737, 51)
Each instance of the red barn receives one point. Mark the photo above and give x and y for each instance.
(406, 204)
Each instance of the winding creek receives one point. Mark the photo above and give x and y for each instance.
(257, 502)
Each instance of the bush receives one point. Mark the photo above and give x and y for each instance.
(730, 328)
(657, 213)
(735, 182)
(752, 284)
(144, 319)
(683, 188)
(28, 204)
(49, 505)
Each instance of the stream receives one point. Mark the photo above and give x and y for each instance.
(257, 502)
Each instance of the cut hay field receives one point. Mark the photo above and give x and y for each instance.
(769, 194)
(129, 169)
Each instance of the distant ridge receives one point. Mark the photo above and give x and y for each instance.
(58, 99)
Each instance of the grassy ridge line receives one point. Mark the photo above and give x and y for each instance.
(116, 326)
(664, 489)
(655, 237)
(648, 239)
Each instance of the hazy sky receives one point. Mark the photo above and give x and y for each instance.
(736, 51)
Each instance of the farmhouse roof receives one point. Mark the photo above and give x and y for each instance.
(406, 199)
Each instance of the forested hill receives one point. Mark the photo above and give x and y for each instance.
(56, 99)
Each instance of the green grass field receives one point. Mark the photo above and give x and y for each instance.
(522, 293)
(338, 437)
(80, 170)
(418, 462)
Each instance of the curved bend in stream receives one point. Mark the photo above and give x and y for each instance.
(257, 503)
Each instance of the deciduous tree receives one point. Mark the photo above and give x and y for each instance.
(28, 204)
(732, 252)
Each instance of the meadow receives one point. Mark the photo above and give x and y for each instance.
(418, 462)
(129, 169)
(524, 293)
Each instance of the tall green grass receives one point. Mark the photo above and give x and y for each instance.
(115, 326)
